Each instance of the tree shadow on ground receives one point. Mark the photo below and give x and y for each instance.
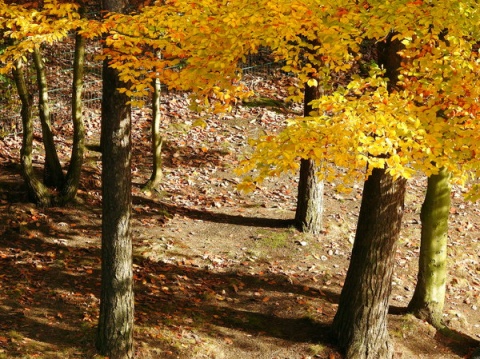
(214, 217)
(458, 342)
(50, 295)
(49, 291)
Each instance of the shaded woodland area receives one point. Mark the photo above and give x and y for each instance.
(127, 226)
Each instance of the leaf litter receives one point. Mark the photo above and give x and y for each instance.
(218, 273)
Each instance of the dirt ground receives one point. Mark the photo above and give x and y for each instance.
(218, 273)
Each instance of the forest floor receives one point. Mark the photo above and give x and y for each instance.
(218, 273)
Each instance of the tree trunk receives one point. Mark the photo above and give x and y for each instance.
(115, 327)
(53, 175)
(72, 180)
(37, 192)
(157, 140)
(309, 212)
(429, 296)
(360, 324)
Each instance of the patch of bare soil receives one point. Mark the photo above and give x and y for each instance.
(218, 274)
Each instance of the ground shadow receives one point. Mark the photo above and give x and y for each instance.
(50, 294)
(49, 291)
(214, 217)
(458, 342)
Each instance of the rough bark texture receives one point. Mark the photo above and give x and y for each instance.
(70, 186)
(429, 296)
(360, 324)
(53, 175)
(157, 140)
(115, 328)
(309, 212)
(37, 192)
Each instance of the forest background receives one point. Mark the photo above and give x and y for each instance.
(198, 126)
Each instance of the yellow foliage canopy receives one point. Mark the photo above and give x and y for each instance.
(27, 28)
(429, 120)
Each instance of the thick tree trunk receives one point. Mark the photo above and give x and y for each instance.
(360, 324)
(157, 139)
(309, 212)
(53, 175)
(115, 327)
(429, 296)
(72, 180)
(37, 192)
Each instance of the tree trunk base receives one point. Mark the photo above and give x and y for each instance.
(360, 324)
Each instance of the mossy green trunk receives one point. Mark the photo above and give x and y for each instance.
(53, 175)
(72, 180)
(429, 296)
(37, 192)
(157, 139)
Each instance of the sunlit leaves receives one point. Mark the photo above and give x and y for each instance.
(27, 28)
(429, 120)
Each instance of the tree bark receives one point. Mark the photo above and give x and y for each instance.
(115, 327)
(37, 192)
(309, 212)
(360, 324)
(429, 296)
(53, 175)
(157, 139)
(72, 179)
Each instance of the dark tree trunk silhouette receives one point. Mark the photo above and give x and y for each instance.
(115, 327)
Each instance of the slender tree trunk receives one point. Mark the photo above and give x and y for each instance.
(37, 192)
(53, 175)
(72, 180)
(309, 212)
(429, 296)
(157, 139)
(360, 324)
(115, 327)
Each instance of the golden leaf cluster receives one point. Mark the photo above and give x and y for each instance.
(426, 122)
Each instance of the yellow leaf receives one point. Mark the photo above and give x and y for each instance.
(312, 83)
